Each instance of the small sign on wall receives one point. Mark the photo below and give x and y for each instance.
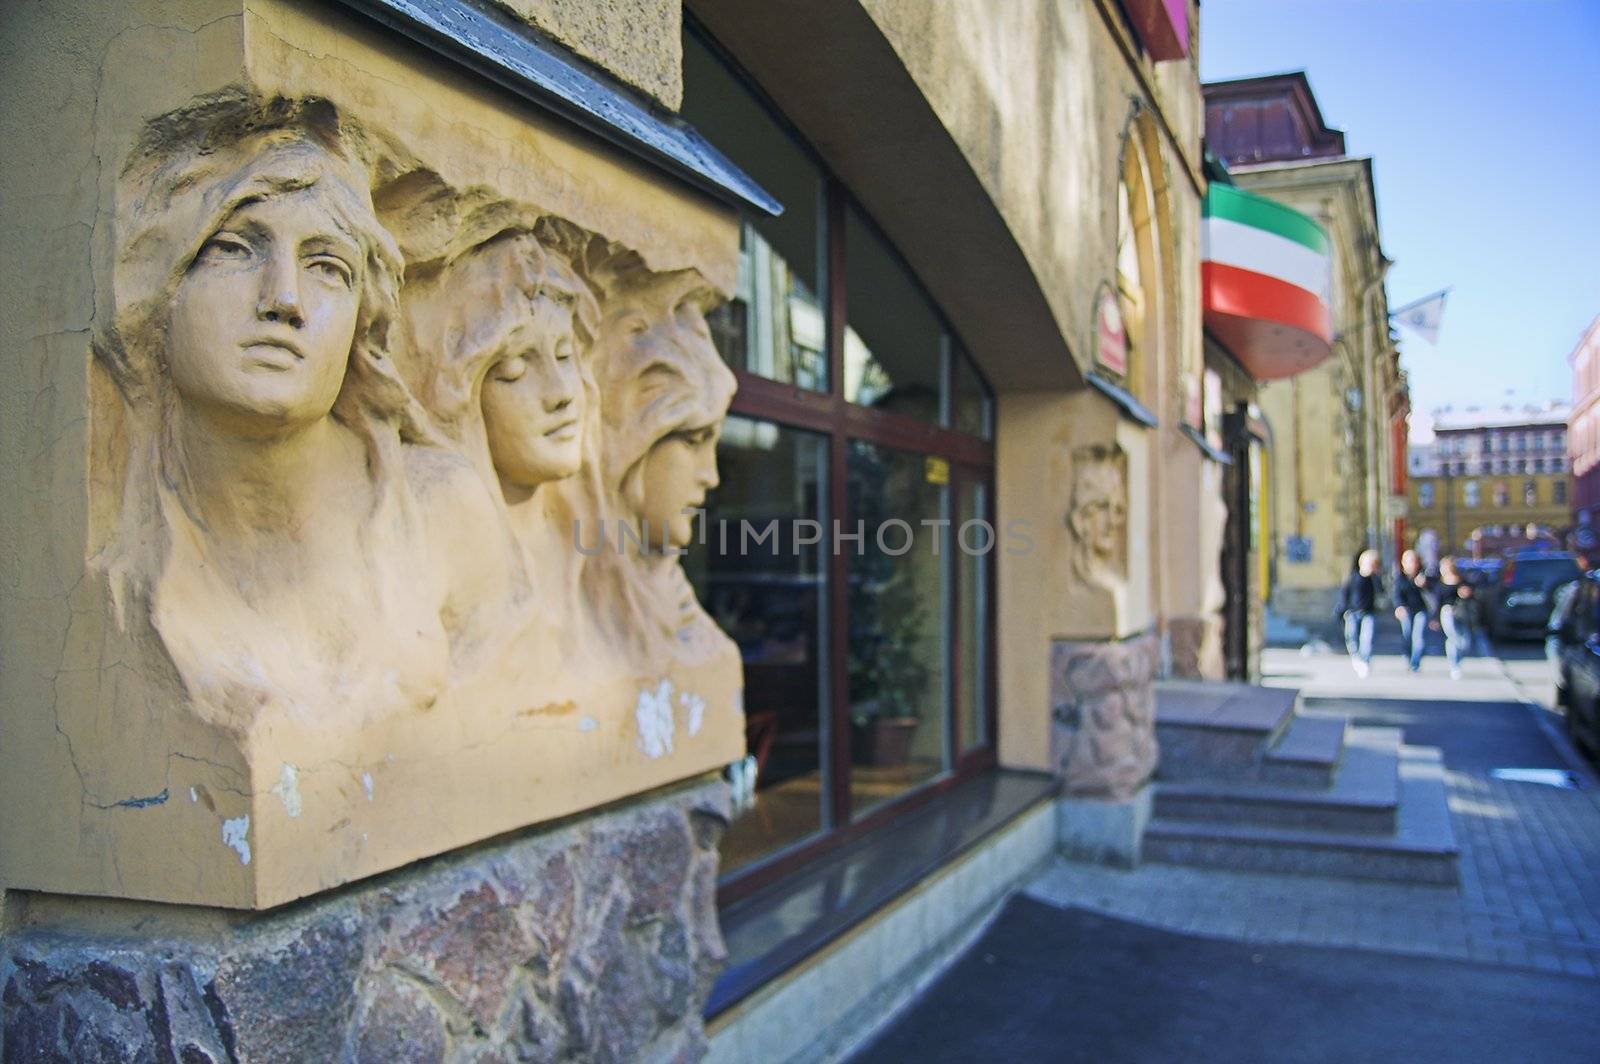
(1297, 549)
(1111, 337)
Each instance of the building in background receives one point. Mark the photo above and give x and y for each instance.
(1337, 434)
(1490, 476)
(1583, 425)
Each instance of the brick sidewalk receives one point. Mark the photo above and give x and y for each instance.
(1529, 895)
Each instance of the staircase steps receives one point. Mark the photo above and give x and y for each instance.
(1250, 781)
(1363, 798)
(1422, 848)
(1212, 729)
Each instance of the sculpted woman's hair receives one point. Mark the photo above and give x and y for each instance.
(190, 172)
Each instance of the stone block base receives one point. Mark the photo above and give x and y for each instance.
(1194, 648)
(594, 940)
(1103, 830)
(1103, 730)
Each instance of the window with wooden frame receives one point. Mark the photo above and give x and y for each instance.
(845, 548)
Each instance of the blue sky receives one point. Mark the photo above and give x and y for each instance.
(1483, 121)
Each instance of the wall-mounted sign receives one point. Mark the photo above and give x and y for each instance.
(1111, 338)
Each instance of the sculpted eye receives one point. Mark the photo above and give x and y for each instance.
(224, 247)
(635, 325)
(512, 369)
(690, 316)
(332, 269)
(564, 351)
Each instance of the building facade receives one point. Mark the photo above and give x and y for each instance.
(1490, 475)
(1337, 453)
(551, 505)
(1583, 431)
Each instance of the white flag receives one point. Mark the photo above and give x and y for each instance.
(1423, 316)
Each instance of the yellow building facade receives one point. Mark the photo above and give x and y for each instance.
(1333, 468)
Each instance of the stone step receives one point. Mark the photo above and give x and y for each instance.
(1218, 729)
(1308, 753)
(1363, 797)
(1422, 848)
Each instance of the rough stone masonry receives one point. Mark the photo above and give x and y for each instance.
(596, 940)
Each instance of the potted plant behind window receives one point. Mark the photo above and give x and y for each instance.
(887, 676)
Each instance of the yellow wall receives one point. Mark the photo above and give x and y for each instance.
(1464, 518)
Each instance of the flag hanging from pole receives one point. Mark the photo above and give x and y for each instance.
(1423, 316)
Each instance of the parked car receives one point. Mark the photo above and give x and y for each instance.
(1521, 602)
(1578, 665)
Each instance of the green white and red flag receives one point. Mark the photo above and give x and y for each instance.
(1266, 271)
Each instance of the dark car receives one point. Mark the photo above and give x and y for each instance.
(1521, 602)
(1578, 664)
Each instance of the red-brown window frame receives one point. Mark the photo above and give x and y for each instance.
(828, 413)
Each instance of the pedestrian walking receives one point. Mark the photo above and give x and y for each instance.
(1411, 607)
(1455, 609)
(1358, 609)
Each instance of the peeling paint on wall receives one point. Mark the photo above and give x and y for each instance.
(236, 836)
(653, 715)
(694, 708)
(288, 789)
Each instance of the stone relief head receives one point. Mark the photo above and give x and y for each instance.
(500, 336)
(256, 290)
(666, 391)
(1098, 519)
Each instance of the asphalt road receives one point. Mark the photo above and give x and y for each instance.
(1060, 985)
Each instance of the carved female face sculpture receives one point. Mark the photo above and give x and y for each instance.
(674, 478)
(1099, 517)
(499, 337)
(667, 392)
(263, 320)
(533, 399)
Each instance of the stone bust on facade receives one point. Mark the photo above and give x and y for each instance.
(666, 392)
(292, 534)
(1098, 518)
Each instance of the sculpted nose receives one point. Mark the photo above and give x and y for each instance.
(708, 468)
(279, 298)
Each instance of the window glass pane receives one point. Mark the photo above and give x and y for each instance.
(898, 727)
(767, 592)
(971, 405)
(774, 326)
(892, 342)
(974, 541)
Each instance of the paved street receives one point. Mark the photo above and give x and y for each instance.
(1528, 904)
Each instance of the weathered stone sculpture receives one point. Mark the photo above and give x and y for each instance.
(1098, 519)
(339, 515)
(666, 393)
(291, 526)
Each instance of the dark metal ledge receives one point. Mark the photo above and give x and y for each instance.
(1134, 409)
(773, 930)
(1221, 457)
(498, 47)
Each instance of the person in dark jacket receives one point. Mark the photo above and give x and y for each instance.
(1411, 607)
(1455, 609)
(1358, 606)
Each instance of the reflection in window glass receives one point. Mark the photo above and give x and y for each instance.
(768, 594)
(971, 560)
(892, 343)
(774, 325)
(971, 403)
(896, 638)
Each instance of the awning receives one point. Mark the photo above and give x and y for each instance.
(1266, 273)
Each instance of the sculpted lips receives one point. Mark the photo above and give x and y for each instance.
(273, 352)
(564, 431)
